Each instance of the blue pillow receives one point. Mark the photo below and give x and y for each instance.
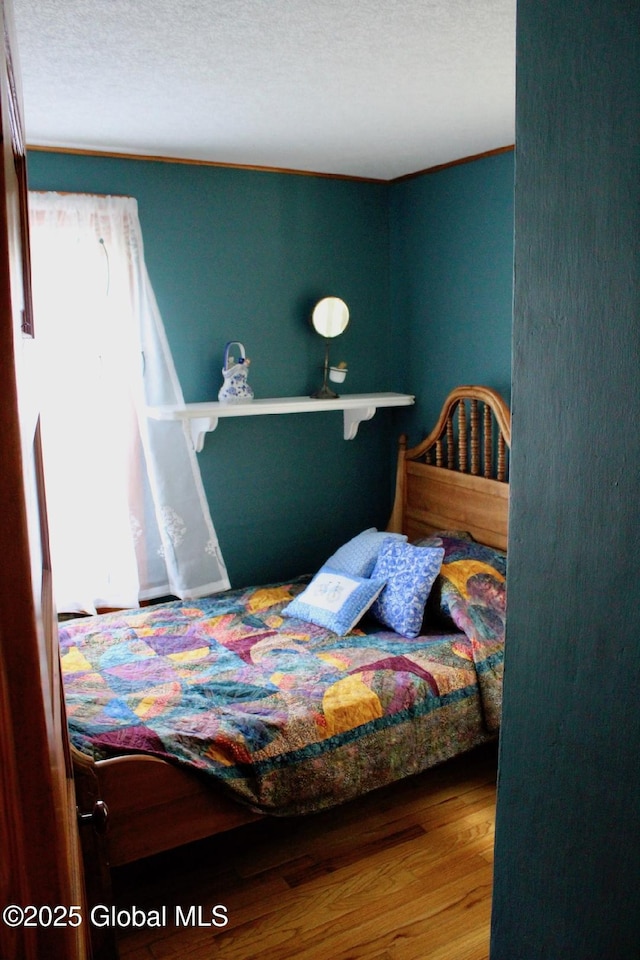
(410, 573)
(335, 600)
(358, 556)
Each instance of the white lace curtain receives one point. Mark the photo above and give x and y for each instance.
(128, 514)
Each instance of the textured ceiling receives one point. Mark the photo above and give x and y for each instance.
(366, 88)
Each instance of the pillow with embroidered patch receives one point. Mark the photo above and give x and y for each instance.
(335, 599)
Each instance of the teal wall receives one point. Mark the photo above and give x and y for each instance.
(452, 282)
(426, 268)
(567, 857)
(236, 254)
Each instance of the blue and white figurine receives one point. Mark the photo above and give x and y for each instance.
(235, 388)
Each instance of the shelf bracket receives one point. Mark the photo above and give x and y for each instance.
(353, 419)
(200, 427)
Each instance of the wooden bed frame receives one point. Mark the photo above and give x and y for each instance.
(456, 479)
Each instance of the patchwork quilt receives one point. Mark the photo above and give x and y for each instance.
(289, 717)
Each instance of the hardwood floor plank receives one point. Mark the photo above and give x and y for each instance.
(318, 836)
(332, 863)
(299, 924)
(364, 928)
(402, 874)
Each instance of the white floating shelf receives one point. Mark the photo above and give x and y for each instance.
(203, 417)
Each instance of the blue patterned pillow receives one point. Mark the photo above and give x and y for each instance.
(410, 573)
(335, 600)
(358, 556)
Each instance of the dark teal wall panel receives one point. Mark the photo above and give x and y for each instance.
(321, 489)
(236, 254)
(452, 281)
(426, 268)
(567, 857)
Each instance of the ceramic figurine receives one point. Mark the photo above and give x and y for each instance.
(235, 388)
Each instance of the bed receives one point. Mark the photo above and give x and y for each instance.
(275, 713)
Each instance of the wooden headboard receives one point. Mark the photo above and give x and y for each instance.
(457, 478)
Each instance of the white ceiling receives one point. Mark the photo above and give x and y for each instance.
(366, 88)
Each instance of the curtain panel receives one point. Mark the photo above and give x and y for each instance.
(128, 512)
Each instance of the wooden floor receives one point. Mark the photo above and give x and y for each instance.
(402, 874)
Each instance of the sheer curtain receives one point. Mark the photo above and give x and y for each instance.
(128, 513)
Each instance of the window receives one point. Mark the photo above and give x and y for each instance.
(128, 513)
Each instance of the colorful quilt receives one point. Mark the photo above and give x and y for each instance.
(287, 716)
(472, 590)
